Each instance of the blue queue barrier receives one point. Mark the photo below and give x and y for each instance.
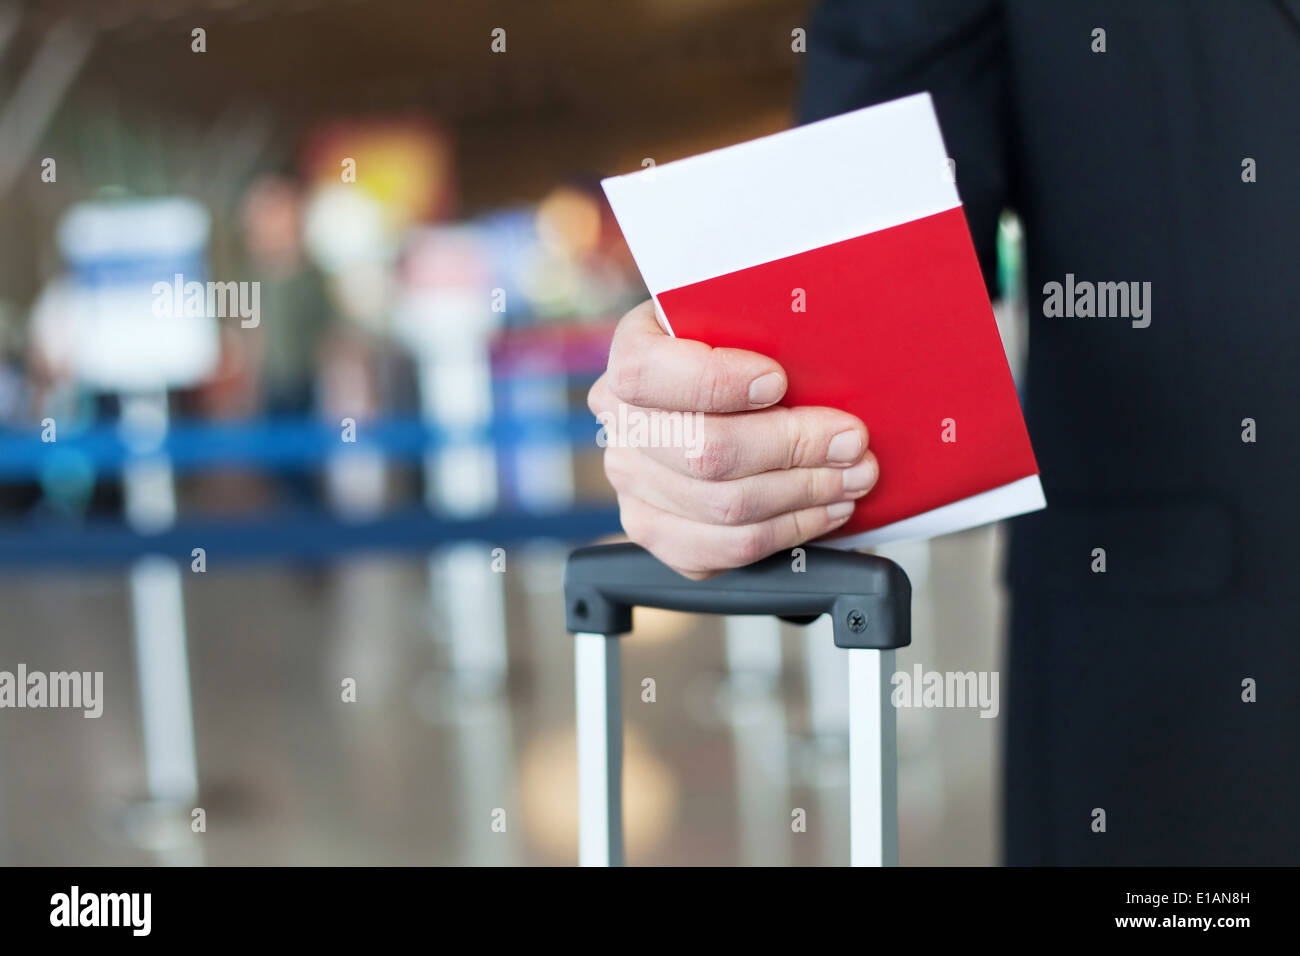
(281, 536)
(268, 444)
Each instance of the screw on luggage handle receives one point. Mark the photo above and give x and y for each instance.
(868, 597)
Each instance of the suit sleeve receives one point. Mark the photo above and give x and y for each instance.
(862, 52)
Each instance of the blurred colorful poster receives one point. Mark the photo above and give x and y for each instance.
(404, 164)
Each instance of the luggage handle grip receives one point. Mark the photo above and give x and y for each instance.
(867, 596)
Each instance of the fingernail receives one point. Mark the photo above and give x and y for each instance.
(839, 510)
(861, 476)
(766, 389)
(846, 446)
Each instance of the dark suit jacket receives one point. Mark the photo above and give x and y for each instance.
(1126, 687)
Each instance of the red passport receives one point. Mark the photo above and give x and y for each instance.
(840, 249)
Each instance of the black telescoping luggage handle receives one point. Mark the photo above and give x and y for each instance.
(868, 597)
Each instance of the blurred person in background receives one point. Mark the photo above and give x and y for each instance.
(296, 313)
(1127, 140)
(271, 370)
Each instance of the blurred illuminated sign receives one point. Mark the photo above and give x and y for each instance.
(111, 330)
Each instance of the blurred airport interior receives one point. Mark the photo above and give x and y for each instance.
(299, 304)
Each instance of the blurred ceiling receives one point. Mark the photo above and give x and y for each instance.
(592, 85)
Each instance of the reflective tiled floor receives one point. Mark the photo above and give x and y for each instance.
(417, 771)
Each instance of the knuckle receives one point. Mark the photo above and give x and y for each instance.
(752, 543)
(713, 462)
(797, 441)
(727, 504)
(822, 486)
(639, 314)
(627, 377)
(710, 389)
(799, 524)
